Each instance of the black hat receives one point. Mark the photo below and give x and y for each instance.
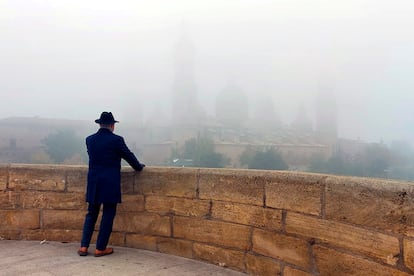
(106, 118)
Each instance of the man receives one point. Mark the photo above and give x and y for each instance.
(105, 150)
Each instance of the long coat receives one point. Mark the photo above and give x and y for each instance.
(105, 150)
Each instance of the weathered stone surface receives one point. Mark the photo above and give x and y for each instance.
(127, 180)
(331, 262)
(37, 177)
(214, 232)
(294, 191)
(240, 186)
(132, 203)
(224, 257)
(176, 247)
(256, 265)
(77, 179)
(383, 204)
(230, 215)
(63, 219)
(247, 214)
(290, 271)
(116, 239)
(52, 235)
(370, 243)
(180, 182)
(53, 200)
(10, 200)
(289, 249)
(19, 219)
(177, 206)
(9, 234)
(409, 254)
(4, 171)
(141, 242)
(143, 223)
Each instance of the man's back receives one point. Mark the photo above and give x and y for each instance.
(104, 149)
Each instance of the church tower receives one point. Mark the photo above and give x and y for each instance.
(302, 124)
(186, 110)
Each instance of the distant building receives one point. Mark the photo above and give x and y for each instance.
(186, 109)
(233, 129)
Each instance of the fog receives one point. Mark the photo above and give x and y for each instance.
(73, 59)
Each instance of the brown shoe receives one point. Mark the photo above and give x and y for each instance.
(83, 251)
(106, 251)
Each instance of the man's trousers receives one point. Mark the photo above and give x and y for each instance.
(105, 229)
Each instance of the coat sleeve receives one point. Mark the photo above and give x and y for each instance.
(129, 156)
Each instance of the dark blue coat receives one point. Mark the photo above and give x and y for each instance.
(105, 150)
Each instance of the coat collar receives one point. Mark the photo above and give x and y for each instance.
(104, 130)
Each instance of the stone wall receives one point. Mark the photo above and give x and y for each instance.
(258, 222)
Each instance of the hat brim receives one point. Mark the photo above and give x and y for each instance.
(98, 121)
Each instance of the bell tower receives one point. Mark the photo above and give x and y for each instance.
(185, 107)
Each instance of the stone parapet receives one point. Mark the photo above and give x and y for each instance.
(257, 222)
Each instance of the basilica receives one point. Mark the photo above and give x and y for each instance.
(236, 124)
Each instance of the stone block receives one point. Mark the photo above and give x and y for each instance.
(143, 223)
(247, 214)
(180, 182)
(214, 232)
(294, 191)
(9, 234)
(257, 265)
(369, 243)
(19, 219)
(63, 219)
(77, 178)
(131, 203)
(37, 177)
(332, 262)
(220, 256)
(175, 247)
(10, 200)
(290, 271)
(53, 200)
(409, 254)
(141, 242)
(177, 206)
(52, 235)
(239, 186)
(127, 180)
(116, 239)
(4, 172)
(289, 249)
(383, 204)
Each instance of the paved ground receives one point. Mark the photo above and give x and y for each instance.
(55, 258)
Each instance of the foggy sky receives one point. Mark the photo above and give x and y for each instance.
(75, 58)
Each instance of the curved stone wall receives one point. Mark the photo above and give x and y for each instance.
(258, 222)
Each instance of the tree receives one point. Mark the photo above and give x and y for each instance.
(202, 153)
(64, 144)
(318, 164)
(267, 158)
(377, 159)
(373, 161)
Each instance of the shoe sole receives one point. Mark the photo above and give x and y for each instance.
(103, 254)
(82, 254)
